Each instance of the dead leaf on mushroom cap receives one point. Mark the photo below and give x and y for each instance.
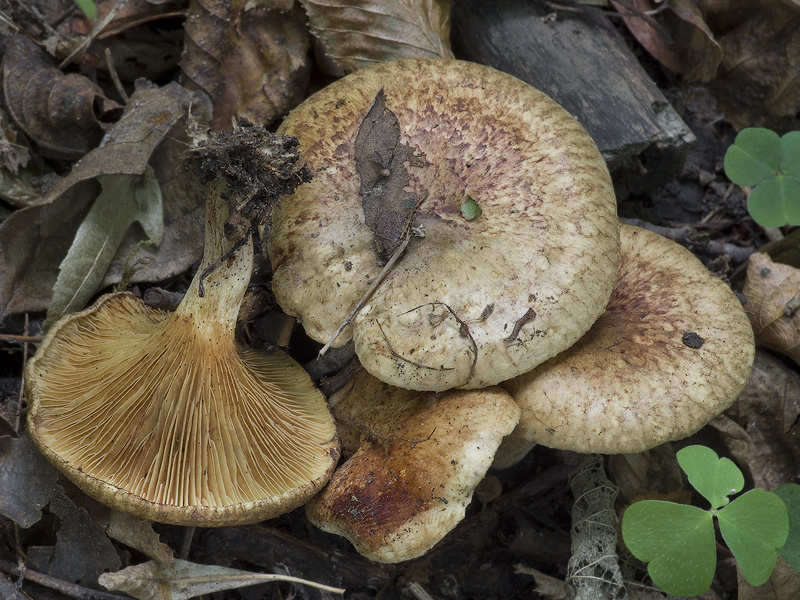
(64, 114)
(772, 291)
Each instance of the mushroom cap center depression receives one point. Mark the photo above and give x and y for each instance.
(475, 301)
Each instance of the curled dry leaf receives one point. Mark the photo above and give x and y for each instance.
(773, 304)
(692, 50)
(759, 82)
(64, 114)
(181, 579)
(252, 62)
(761, 429)
(354, 35)
(34, 241)
(141, 36)
(138, 533)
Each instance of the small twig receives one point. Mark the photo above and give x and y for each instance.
(368, 294)
(26, 339)
(68, 589)
(98, 27)
(418, 591)
(22, 379)
(114, 77)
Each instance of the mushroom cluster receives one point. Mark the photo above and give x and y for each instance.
(461, 229)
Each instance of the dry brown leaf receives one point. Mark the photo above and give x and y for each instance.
(141, 36)
(64, 114)
(356, 34)
(783, 584)
(34, 240)
(26, 480)
(138, 533)
(773, 304)
(82, 550)
(762, 428)
(380, 161)
(180, 580)
(252, 62)
(689, 49)
(759, 83)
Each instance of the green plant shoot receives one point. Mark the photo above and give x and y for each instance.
(89, 8)
(678, 541)
(770, 164)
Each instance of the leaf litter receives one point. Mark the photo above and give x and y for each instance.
(743, 55)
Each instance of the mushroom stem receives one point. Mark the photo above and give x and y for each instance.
(225, 285)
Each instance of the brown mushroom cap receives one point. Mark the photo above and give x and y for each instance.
(420, 456)
(474, 302)
(673, 349)
(163, 416)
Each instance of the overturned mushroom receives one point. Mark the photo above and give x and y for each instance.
(673, 349)
(515, 203)
(417, 460)
(164, 416)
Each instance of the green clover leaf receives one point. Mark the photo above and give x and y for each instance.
(754, 156)
(775, 202)
(790, 494)
(754, 526)
(714, 477)
(677, 542)
(790, 161)
(758, 157)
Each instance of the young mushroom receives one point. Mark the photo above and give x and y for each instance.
(514, 201)
(165, 416)
(673, 349)
(416, 460)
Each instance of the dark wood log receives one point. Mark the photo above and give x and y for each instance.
(582, 62)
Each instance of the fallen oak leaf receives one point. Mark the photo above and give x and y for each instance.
(137, 533)
(772, 291)
(26, 481)
(252, 61)
(181, 579)
(359, 33)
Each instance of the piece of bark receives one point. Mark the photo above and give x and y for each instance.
(579, 60)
